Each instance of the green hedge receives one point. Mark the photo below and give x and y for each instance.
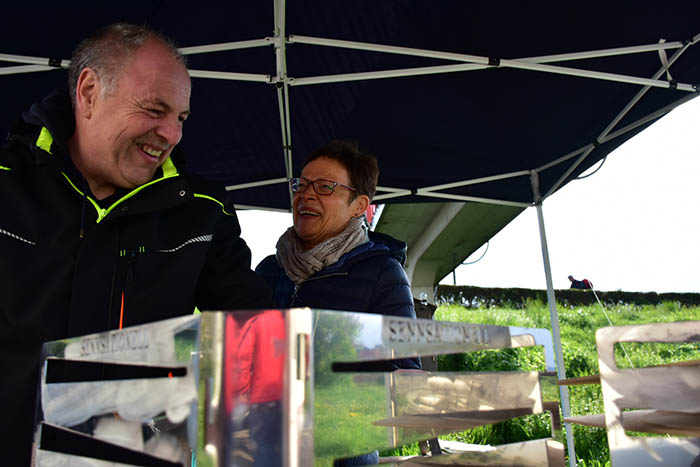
(477, 297)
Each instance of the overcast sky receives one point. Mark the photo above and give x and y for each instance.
(633, 226)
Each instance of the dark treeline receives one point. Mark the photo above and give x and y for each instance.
(474, 297)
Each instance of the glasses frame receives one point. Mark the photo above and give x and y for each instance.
(334, 184)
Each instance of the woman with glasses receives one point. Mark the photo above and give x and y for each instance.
(328, 259)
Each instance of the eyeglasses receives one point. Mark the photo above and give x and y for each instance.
(321, 186)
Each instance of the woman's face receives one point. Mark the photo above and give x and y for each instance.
(320, 217)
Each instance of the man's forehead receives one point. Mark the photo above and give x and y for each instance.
(156, 56)
(157, 77)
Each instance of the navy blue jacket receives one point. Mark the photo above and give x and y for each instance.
(368, 279)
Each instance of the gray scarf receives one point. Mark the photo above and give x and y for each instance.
(299, 265)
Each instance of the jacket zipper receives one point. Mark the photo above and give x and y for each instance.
(102, 213)
(294, 295)
(297, 286)
(127, 282)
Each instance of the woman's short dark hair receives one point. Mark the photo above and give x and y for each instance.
(362, 167)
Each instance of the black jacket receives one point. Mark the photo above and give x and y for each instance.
(369, 279)
(68, 263)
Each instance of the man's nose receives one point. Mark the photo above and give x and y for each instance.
(170, 130)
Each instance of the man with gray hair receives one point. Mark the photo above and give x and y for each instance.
(100, 228)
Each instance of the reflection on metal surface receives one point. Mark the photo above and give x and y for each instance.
(535, 453)
(98, 411)
(665, 388)
(443, 392)
(429, 404)
(648, 421)
(266, 388)
(446, 422)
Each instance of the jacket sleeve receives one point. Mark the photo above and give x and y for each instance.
(392, 293)
(268, 270)
(227, 281)
(392, 296)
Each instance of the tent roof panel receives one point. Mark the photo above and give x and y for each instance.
(426, 130)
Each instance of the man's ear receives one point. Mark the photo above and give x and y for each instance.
(361, 203)
(87, 90)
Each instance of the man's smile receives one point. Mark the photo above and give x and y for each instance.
(151, 150)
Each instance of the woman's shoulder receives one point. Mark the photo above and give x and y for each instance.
(380, 251)
(392, 247)
(268, 266)
(378, 266)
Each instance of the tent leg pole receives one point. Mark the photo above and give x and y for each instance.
(554, 318)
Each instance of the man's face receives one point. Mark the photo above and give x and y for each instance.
(133, 130)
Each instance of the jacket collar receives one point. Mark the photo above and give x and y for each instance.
(378, 245)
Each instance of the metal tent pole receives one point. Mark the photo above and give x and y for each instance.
(476, 199)
(371, 47)
(243, 186)
(388, 192)
(619, 117)
(419, 71)
(283, 88)
(53, 63)
(226, 46)
(487, 62)
(22, 69)
(231, 76)
(554, 318)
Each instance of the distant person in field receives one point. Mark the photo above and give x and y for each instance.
(584, 284)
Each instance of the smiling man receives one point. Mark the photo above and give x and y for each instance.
(100, 228)
(123, 135)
